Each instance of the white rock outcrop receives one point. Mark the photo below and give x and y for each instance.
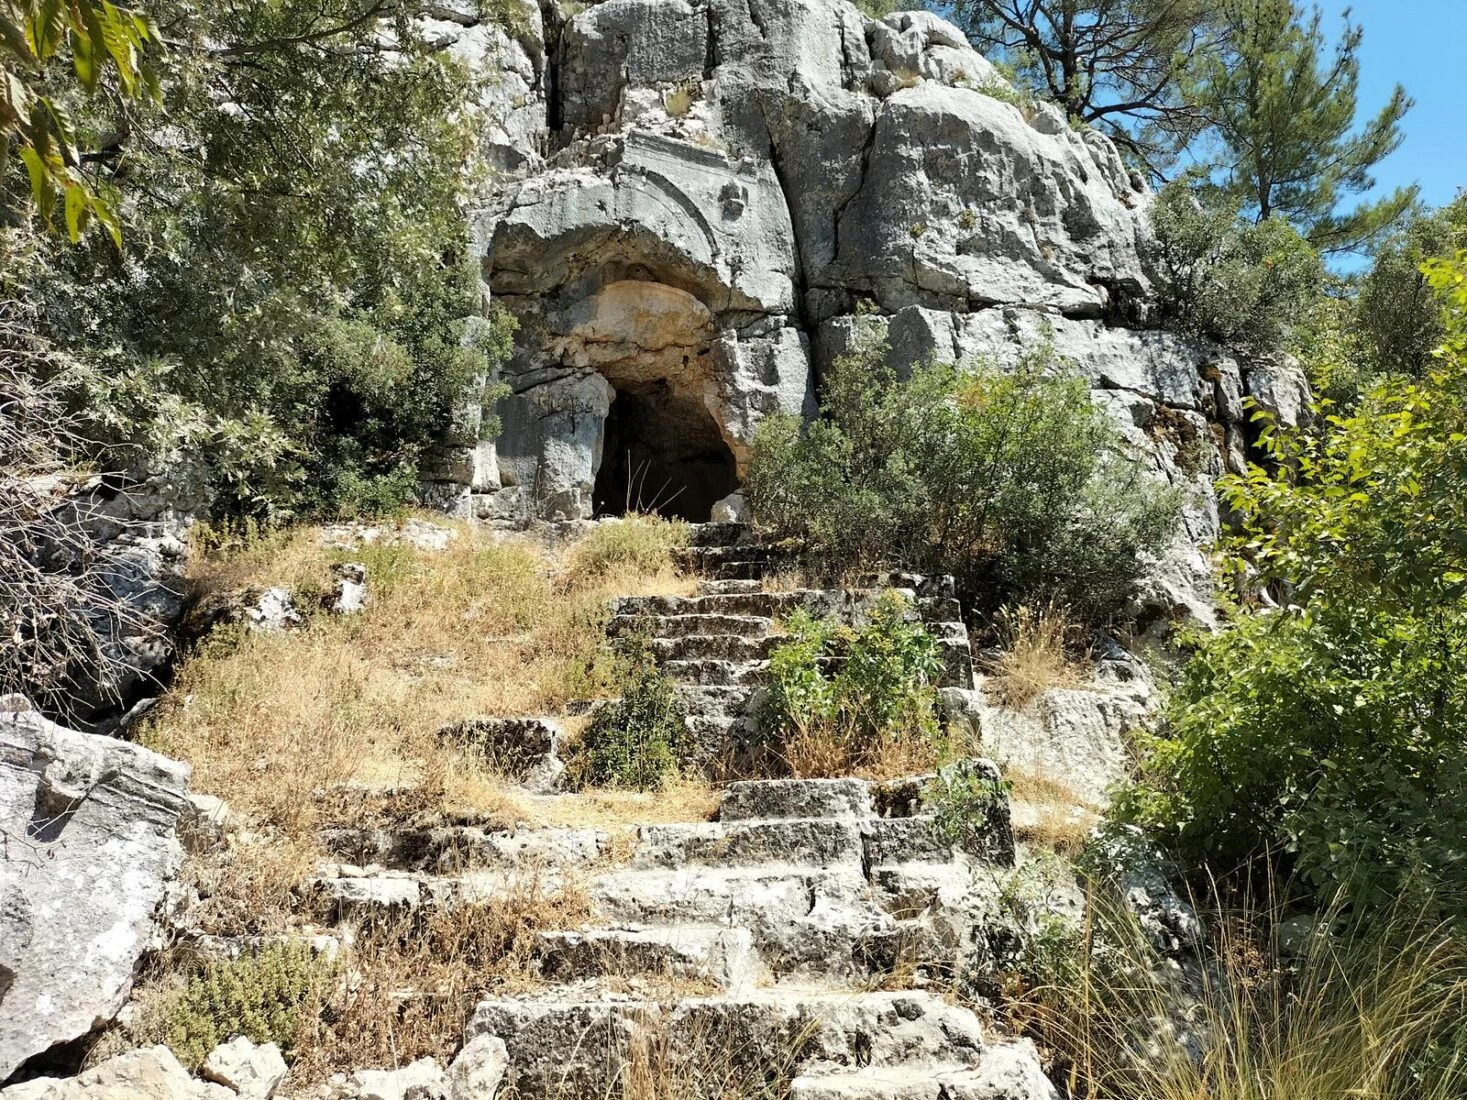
(89, 827)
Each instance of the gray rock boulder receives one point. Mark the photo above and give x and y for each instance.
(524, 750)
(152, 1073)
(253, 1072)
(91, 847)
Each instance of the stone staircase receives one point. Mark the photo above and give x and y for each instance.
(811, 930)
(804, 944)
(716, 644)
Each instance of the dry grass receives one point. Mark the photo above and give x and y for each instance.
(1369, 1011)
(1038, 647)
(1047, 813)
(482, 628)
(822, 750)
(415, 980)
(668, 1063)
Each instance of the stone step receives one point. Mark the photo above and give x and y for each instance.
(698, 556)
(586, 1050)
(723, 701)
(797, 798)
(816, 843)
(716, 673)
(702, 535)
(1009, 1078)
(841, 603)
(719, 647)
(715, 955)
(447, 849)
(689, 622)
(727, 587)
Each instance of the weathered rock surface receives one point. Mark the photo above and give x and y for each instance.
(523, 750)
(253, 1072)
(717, 183)
(90, 845)
(152, 1073)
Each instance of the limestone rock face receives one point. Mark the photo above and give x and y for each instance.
(721, 194)
(721, 180)
(90, 826)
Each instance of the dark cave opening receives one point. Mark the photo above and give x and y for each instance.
(662, 453)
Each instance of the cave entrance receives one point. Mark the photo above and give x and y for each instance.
(662, 453)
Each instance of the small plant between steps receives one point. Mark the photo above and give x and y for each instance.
(636, 742)
(845, 699)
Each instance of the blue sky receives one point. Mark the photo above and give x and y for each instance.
(1419, 44)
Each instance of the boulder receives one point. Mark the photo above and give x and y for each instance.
(525, 750)
(91, 848)
(351, 588)
(422, 1080)
(152, 1073)
(253, 1072)
(477, 1070)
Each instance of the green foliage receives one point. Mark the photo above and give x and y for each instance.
(293, 301)
(1397, 314)
(842, 697)
(967, 804)
(110, 51)
(1331, 728)
(266, 996)
(637, 742)
(1285, 116)
(1112, 64)
(1013, 481)
(1219, 275)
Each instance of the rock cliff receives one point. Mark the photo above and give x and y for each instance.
(698, 204)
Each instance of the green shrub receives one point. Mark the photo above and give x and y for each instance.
(843, 698)
(1219, 275)
(1330, 730)
(637, 742)
(266, 996)
(1012, 481)
(968, 805)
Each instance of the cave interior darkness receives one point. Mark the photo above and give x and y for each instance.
(663, 453)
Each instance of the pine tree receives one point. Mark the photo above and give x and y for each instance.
(1112, 64)
(1285, 115)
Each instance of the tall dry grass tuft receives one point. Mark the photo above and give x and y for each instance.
(1357, 1010)
(1038, 646)
(697, 1062)
(416, 978)
(482, 628)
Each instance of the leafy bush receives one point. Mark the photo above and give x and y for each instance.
(642, 544)
(843, 698)
(968, 805)
(1014, 482)
(1332, 728)
(266, 996)
(637, 742)
(293, 312)
(1219, 275)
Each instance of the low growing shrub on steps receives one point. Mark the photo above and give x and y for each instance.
(266, 996)
(637, 742)
(843, 698)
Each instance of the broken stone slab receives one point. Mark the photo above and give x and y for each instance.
(351, 588)
(253, 1072)
(477, 1070)
(152, 1073)
(422, 1080)
(91, 824)
(272, 611)
(525, 750)
(205, 821)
